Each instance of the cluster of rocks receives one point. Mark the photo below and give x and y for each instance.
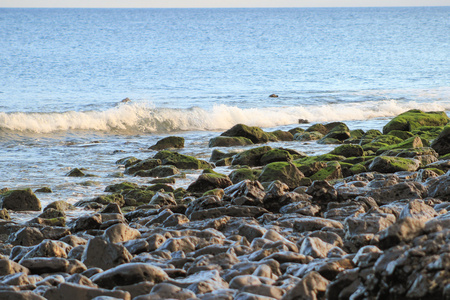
(369, 220)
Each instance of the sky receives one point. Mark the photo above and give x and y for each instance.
(219, 3)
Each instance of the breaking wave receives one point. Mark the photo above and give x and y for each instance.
(132, 118)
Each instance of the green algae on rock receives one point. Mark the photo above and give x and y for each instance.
(255, 134)
(392, 164)
(20, 200)
(181, 161)
(415, 118)
(244, 173)
(229, 141)
(284, 171)
(251, 157)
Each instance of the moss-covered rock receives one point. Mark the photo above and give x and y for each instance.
(275, 155)
(119, 187)
(284, 171)
(163, 199)
(338, 131)
(428, 133)
(318, 128)
(319, 158)
(381, 141)
(20, 200)
(169, 142)
(217, 155)
(224, 162)
(369, 136)
(112, 198)
(229, 141)
(411, 143)
(349, 150)
(127, 161)
(357, 133)
(330, 172)
(160, 186)
(389, 164)
(181, 161)
(293, 131)
(358, 168)
(311, 167)
(281, 135)
(159, 171)
(244, 173)
(442, 143)
(413, 119)
(60, 205)
(215, 192)
(137, 196)
(165, 180)
(209, 180)
(251, 157)
(145, 164)
(255, 134)
(44, 189)
(404, 135)
(308, 136)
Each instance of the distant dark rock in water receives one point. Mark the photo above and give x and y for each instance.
(273, 96)
(126, 100)
(303, 121)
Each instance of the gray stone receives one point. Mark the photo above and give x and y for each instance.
(103, 254)
(70, 291)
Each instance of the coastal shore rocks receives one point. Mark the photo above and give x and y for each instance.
(368, 220)
(20, 200)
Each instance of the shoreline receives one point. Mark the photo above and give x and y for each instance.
(367, 219)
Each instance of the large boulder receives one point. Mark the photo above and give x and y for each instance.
(229, 141)
(143, 165)
(442, 143)
(284, 171)
(181, 161)
(20, 200)
(389, 164)
(209, 180)
(255, 134)
(130, 273)
(102, 254)
(348, 150)
(169, 142)
(413, 119)
(251, 157)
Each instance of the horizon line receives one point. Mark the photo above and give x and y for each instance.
(216, 7)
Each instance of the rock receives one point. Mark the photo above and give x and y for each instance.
(143, 165)
(387, 164)
(241, 174)
(232, 211)
(315, 223)
(28, 236)
(411, 143)
(228, 141)
(8, 267)
(283, 171)
(169, 142)
(331, 171)
(403, 190)
(369, 223)
(283, 135)
(442, 143)
(202, 282)
(20, 200)
(440, 188)
(308, 136)
(255, 134)
(44, 189)
(246, 188)
(87, 222)
(75, 173)
(181, 161)
(315, 247)
(43, 265)
(348, 150)
(308, 288)
(105, 255)
(413, 119)
(275, 155)
(70, 291)
(404, 230)
(338, 131)
(129, 273)
(209, 180)
(417, 209)
(121, 233)
(322, 191)
(20, 295)
(4, 214)
(120, 187)
(167, 291)
(163, 199)
(251, 157)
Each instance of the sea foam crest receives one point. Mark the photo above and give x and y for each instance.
(144, 118)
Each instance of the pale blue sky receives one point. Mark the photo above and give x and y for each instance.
(219, 3)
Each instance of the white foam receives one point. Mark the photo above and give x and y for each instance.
(144, 118)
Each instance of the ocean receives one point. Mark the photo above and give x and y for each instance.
(195, 73)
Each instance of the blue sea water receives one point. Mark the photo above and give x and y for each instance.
(194, 72)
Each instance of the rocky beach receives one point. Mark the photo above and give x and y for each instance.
(368, 220)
